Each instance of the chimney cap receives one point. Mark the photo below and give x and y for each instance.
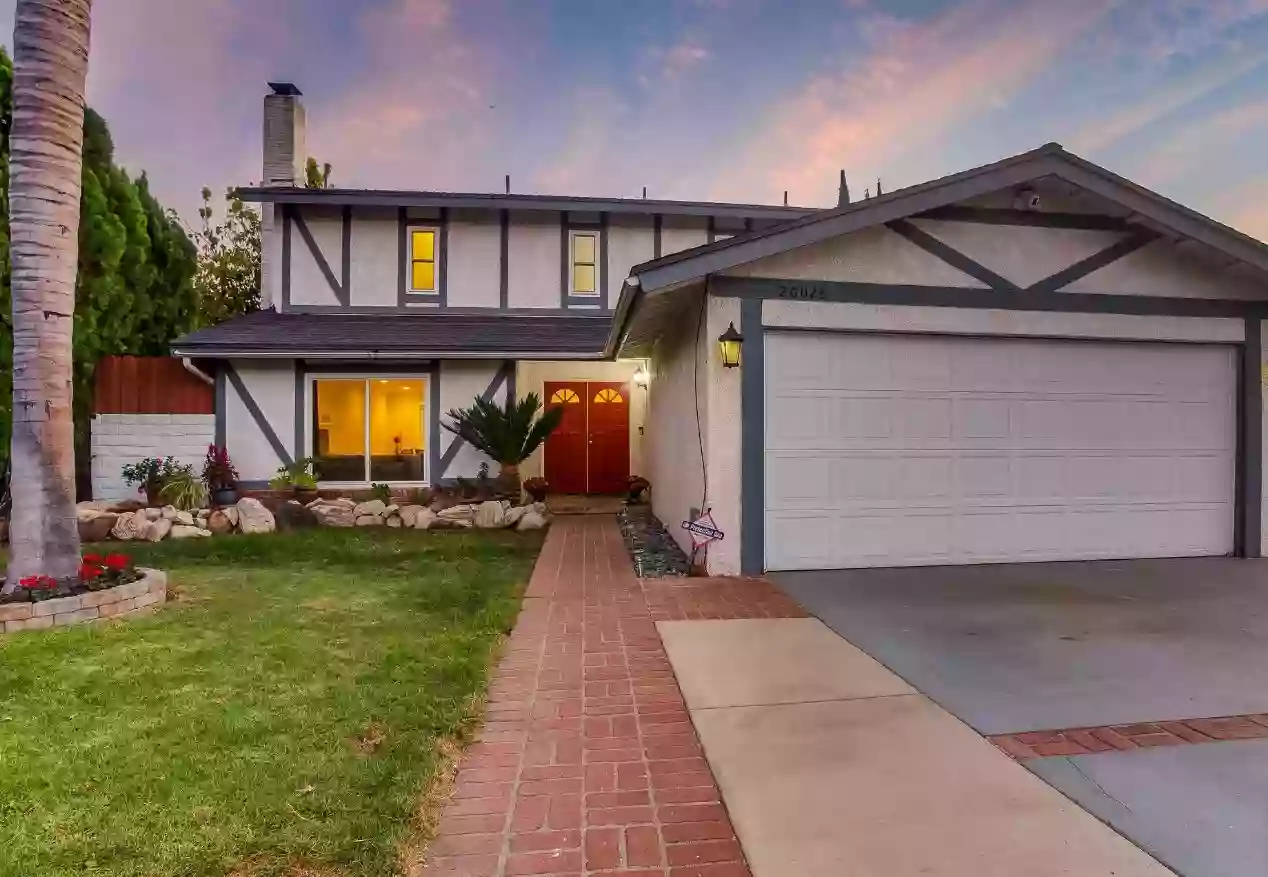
(285, 88)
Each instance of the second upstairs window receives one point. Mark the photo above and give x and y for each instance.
(423, 261)
(584, 263)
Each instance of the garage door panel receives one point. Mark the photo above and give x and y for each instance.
(1016, 450)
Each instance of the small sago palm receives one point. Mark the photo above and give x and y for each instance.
(509, 434)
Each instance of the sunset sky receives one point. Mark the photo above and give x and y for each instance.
(718, 99)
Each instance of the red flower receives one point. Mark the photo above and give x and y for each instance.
(29, 582)
(92, 558)
(89, 571)
(117, 562)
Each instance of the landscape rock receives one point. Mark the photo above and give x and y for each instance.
(97, 529)
(424, 519)
(531, 520)
(330, 514)
(181, 531)
(153, 513)
(375, 507)
(231, 512)
(130, 526)
(392, 509)
(513, 515)
(369, 521)
(182, 518)
(339, 501)
(454, 514)
(170, 512)
(408, 514)
(294, 516)
(156, 531)
(253, 517)
(490, 515)
(394, 521)
(125, 506)
(218, 522)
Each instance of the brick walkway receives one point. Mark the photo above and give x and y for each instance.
(1087, 741)
(588, 762)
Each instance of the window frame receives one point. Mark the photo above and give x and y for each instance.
(367, 378)
(596, 234)
(437, 255)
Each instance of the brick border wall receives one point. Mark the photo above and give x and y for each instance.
(134, 598)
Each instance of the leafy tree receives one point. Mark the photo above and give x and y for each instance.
(134, 291)
(314, 177)
(228, 278)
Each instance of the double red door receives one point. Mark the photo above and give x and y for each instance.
(590, 451)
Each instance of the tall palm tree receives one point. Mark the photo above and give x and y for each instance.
(50, 64)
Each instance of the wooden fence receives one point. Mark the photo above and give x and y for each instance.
(149, 385)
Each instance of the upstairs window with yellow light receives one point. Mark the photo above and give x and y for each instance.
(424, 261)
(584, 261)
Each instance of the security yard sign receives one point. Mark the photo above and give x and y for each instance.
(703, 530)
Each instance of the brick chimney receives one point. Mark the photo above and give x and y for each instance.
(284, 148)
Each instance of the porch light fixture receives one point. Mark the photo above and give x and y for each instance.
(640, 376)
(729, 346)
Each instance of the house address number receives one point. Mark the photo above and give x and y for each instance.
(803, 292)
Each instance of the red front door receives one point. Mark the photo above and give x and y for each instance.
(608, 407)
(590, 451)
(566, 446)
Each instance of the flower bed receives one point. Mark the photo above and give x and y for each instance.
(653, 551)
(37, 605)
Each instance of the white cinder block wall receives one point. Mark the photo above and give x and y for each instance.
(120, 439)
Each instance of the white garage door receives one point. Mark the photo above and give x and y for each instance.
(890, 450)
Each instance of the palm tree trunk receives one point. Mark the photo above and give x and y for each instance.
(50, 64)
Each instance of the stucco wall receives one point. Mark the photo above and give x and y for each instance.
(272, 387)
(874, 255)
(120, 439)
(723, 439)
(308, 283)
(631, 240)
(672, 442)
(474, 274)
(375, 271)
(531, 377)
(533, 264)
(680, 233)
(460, 383)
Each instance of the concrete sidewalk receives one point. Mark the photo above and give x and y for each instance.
(831, 765)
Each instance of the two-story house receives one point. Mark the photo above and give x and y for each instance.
(1035, 359)
(383, 310)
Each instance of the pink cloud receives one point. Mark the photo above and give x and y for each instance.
(920, 80)
(416, 116)
(1191, 148)
(1246, 208)
(683, 56)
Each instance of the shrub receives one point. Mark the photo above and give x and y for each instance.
(152, 473)
(381, 492)
(537, 488)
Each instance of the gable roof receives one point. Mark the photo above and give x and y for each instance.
(1141, 207)
(422, 335)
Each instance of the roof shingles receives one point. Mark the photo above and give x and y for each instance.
(498, 334)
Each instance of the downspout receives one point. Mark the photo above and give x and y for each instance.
(194, 370)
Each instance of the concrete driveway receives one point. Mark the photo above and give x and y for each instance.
(1028, 647)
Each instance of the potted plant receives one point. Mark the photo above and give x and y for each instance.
(220, 476)
(149, 475)
(508, 434)
(537, 488)
(299, 477)
(635, 487)
(183, 489)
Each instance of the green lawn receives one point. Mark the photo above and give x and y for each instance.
(282, 712)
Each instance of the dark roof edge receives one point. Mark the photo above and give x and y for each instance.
(492, 201)
(204, 351)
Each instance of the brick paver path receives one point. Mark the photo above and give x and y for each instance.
(588, 762)
(1087, 741)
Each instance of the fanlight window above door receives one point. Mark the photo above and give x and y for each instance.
(564, 397)
(608, 395)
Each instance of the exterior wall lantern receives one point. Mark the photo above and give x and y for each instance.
(729, 346)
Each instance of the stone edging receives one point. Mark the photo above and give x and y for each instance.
(134, 598)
